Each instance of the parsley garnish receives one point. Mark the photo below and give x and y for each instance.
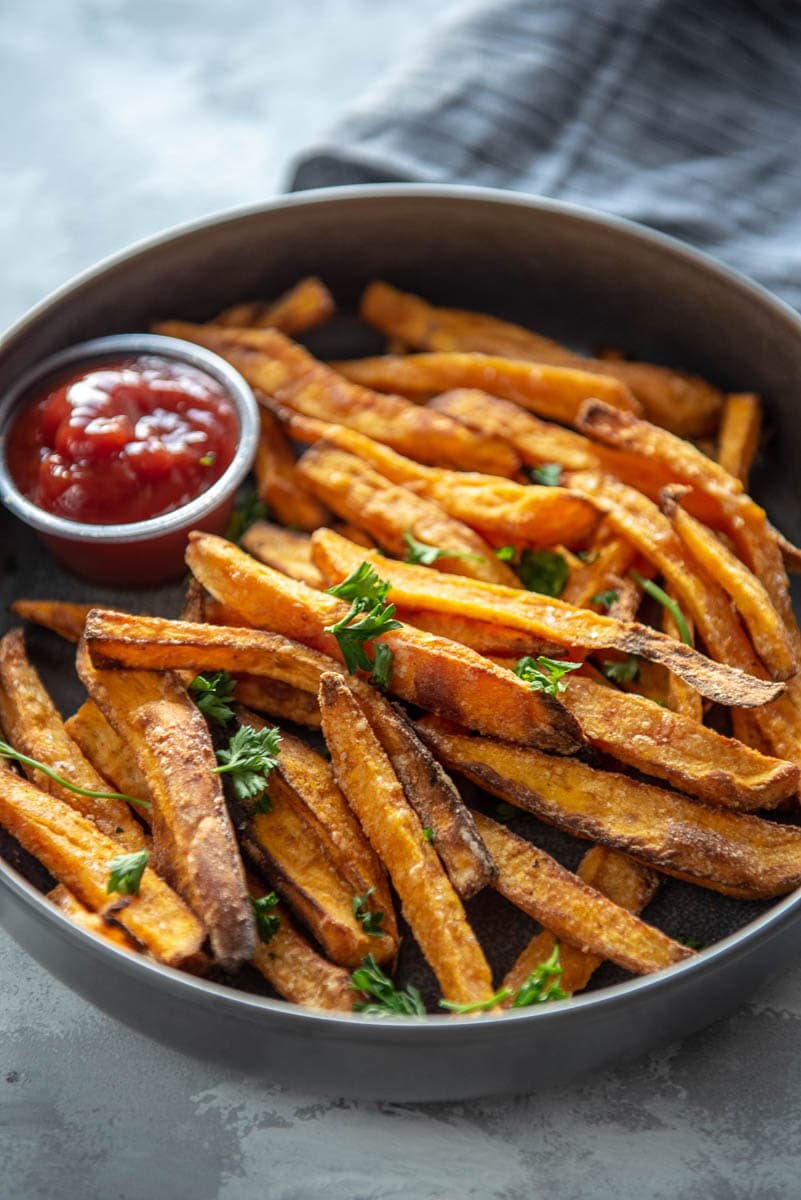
(212, 693)
(543, 571)
(370, 921)
(267, 922)
(428, 833)
(605, 599)
(251, 508)
(505, 553)
(383, 658)
(692, 943)
(424, 555)
(387, 1000)
(657, 593)
(7, 751)
(545, 674)
(547, 474)
(249, 758)
(625, 670)
(367, 594)
(477, 1005)
(126, 871)
(543, 983)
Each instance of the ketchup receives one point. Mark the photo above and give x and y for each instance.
(123, 439)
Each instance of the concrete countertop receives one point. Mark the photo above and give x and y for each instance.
(123, 117)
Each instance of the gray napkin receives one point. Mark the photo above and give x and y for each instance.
(684, 116)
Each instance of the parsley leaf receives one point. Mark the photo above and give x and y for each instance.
(251, 508)
(7, 751)
(657, 593)
(545, 674)
(362, 584)
(387, 1000)
(543, 983)
(692, 943)
(428, 833)
(267, 922)
(547, 474)
(367, 594)
(605, 599)
(505, 553)
(126, 871)
(624, 670)
(212, 693)
(383, 658)
(477, 1005)
(249, 758)
(370, 921)
(425, 555)
(543, 571)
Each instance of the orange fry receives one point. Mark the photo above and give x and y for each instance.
(738, 440)
(306, 304)
(278, 482)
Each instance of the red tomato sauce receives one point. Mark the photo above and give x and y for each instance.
(123, 439)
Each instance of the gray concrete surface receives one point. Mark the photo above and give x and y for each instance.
(121, 117)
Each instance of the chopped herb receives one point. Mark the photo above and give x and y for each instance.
(624, 670)
(387, 1000)
(657, 593)
(370, 921)
(605, 599)
(119, 829)
(692, 943)
(477, 1005)
(543, 983)
(362, 584)
(251, 508)
(249, 758)
(367, 594)
(545, 674)
(267, 922)
(7, 751)
(505, 812)
(126, 871)
(425, 555)
(428, 833)
(208, 460)
(383, 658)
(505, 553)
(547, 474)
(212, 693)
(543, 571)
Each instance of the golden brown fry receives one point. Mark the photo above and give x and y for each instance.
(63, 617)
(730, 852)
(354, 533)
(533, 881)
(34, 726)
(278, 699)
(615, 875)
(92, 922)
(306, 304)
(193, 835)
(555, 393)
(544, 617)
(738, 439)
(107, 751)
(430, 904)
(281, 548)
(685, 403)
(278, 482)
(679, 696)
(277, 366)
(388, 511)
(75, 851)
(609, 560)
(495, 641)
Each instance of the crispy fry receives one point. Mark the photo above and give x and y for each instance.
(685, 403)
(278, 482)
(555, 393)
(388, 511)
(430, 904)
(533, 881)
(75, 851)
(281, 548)
(275, 365)
(63, 617)
(495, 641)
(417, 587)
(107, 751)
(192, 832)
(306, 304)
(624, 881)
(278, 699)
(609, 559)
(735, 853)
(33, 726)
(738, 439)
(92, 922)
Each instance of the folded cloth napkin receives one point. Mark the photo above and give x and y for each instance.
(683, 115)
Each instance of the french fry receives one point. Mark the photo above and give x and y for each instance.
(731, 852)
(536, 883)
(738, 439)
(685, 403)
(681, 697)
(494, 641)
(107, 751)
(359, 493)
(34, 726)
(193, 835)
(609, 560)
(278, 699)
(543, 617)
(277, 366)
(278, 482)
(62, 616)
(430, 903)
(307, 304)
(75, 851)
(92, 922)
(355, 534)
(283, 549)
(625, 882)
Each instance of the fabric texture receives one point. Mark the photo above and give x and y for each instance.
(683, 116)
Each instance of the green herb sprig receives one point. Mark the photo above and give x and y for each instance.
(249, 758)
(7, 751)
(605, 599)
(624, 670)
(368, 596)
(212, 694)
(547, 474)
(545, 674)
(424, 555)
(543, 984)
(126, 871)
(267, 922)
(659, 594)
(370, 921)
(544, 571)
(250, 509)
(387, 1000)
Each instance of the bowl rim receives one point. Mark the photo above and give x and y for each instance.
(93, 352)
(388, 1029)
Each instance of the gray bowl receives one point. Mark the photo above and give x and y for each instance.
(575, 275)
